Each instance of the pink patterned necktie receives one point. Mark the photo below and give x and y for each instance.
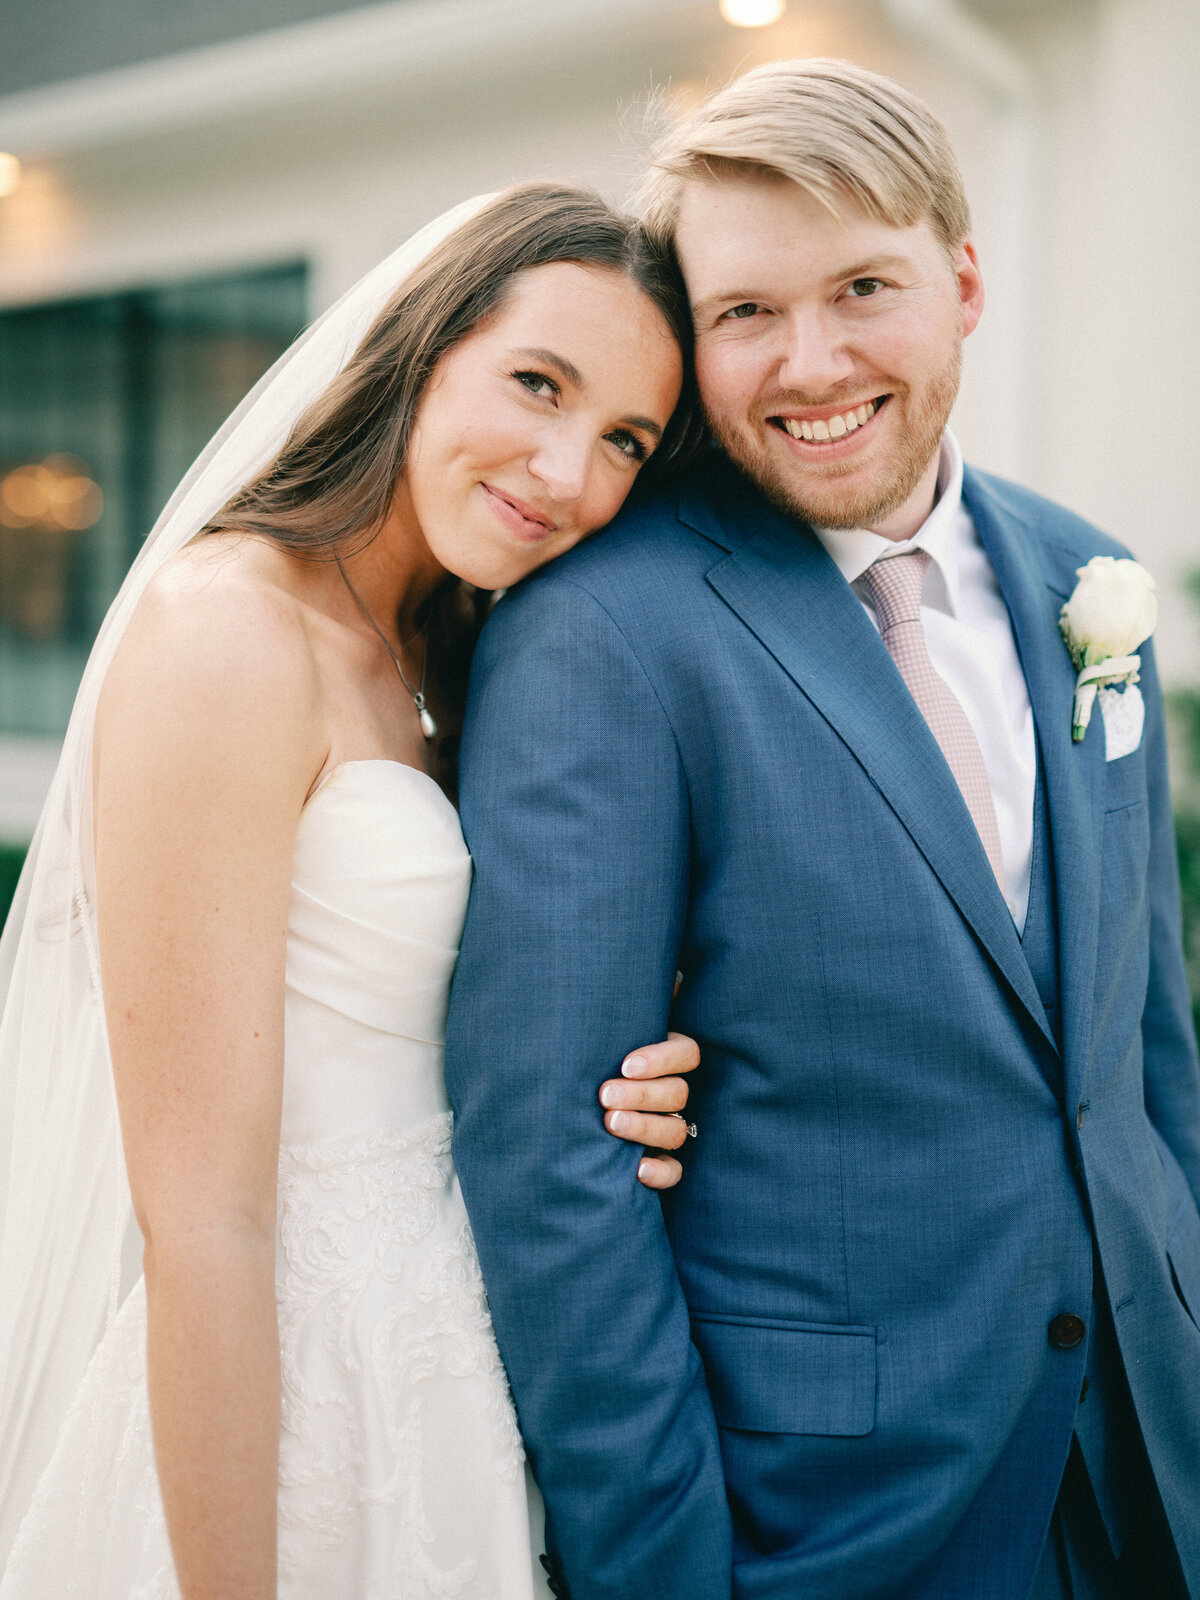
(896, 583)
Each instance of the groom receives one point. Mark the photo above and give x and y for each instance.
(921, 1321)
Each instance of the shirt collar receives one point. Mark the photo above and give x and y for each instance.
(855, 549)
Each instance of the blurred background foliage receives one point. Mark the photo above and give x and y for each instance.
(1183, 707)
(11, 857)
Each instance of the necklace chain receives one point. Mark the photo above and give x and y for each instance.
(428, 725)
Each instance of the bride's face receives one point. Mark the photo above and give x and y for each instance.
(533, 428)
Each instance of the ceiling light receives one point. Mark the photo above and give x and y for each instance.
(752, 13)
(10, 173)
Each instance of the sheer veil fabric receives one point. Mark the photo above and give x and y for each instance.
(69, 1245)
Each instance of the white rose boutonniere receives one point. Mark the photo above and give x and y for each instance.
(1111, 612)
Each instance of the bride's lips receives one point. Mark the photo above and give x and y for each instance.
(518, 516)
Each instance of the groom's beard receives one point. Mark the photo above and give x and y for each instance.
(830, 497)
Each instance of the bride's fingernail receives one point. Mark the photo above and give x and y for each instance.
(610, 1095)
(619, 1121)
(645, 1170)
(633, 1067)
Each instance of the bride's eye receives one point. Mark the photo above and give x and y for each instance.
(748, 308)
(628, 444)
(537, 383)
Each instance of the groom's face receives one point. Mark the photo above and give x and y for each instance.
(828, 350)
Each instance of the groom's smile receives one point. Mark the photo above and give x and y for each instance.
(828, 347)
(825, 426)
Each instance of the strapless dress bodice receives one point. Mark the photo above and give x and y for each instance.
(399, 1451)
(380, 880)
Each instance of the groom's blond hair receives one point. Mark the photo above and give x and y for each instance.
(834, 128)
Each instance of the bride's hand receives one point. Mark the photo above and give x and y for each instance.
(640, 1105)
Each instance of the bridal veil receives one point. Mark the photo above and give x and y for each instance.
(69, 1246)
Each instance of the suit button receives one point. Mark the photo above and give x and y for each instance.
(1067, 1331)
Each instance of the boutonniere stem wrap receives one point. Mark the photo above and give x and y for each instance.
(1112, 611)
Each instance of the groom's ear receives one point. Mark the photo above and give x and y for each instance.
(970, 285)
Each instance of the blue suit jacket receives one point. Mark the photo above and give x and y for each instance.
(822, 1367)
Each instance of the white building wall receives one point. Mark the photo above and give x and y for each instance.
(1122, 327)
(1085, 187)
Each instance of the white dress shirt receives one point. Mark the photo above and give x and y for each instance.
(971, 644)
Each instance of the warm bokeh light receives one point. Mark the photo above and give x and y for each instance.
(40, 216)
(10, 173)
(752, 13)
(57, 495)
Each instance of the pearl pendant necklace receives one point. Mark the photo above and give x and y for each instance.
(424, 715)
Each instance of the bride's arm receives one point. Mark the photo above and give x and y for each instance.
(205, 750)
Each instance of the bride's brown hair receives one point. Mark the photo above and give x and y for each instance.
(331, 485)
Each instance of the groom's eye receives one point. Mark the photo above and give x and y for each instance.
(863, 288)
(746, 309)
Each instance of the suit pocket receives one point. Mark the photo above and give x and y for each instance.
(788, 1377)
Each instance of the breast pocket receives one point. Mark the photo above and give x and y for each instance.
(768, 1376)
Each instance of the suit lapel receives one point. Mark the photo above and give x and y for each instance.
(788, 592)
(1034, 583)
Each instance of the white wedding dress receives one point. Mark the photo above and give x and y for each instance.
(402, 1474)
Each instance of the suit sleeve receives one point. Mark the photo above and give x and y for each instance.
(1172, 1077)
(574, 807)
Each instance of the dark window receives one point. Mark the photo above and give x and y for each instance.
(104, 404)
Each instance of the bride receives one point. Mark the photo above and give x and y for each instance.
(244, 1345)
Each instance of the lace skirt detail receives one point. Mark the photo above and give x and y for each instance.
(401, 1468)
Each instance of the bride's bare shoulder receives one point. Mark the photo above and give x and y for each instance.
(219, 626)
(221, 578)
(221, 593)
